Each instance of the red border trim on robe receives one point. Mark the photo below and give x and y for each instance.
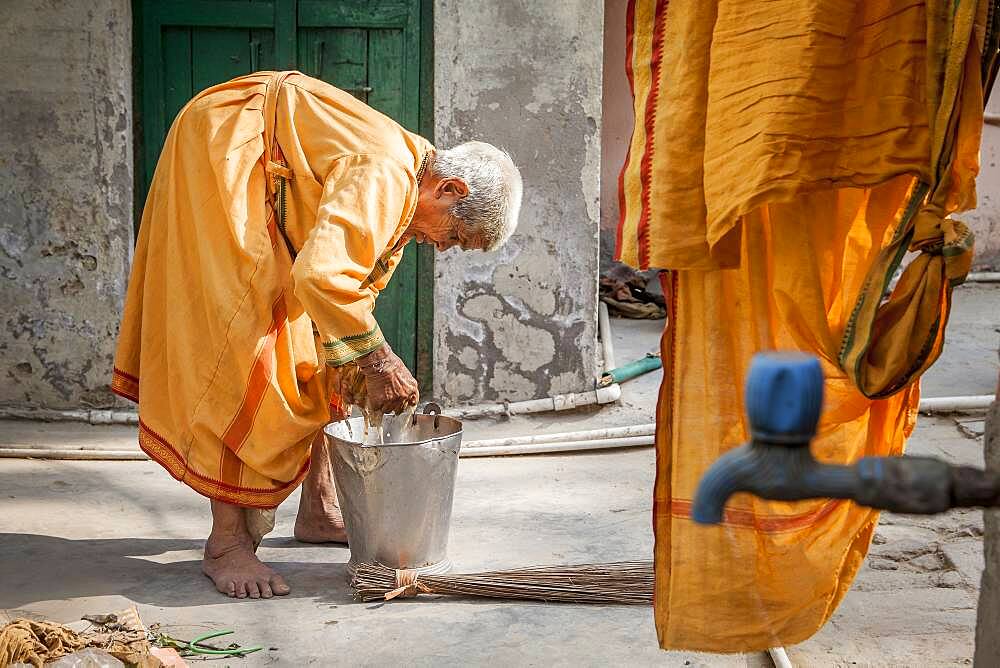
(629, 55)
(125, 385)
(646, 165)
(745, 519)
(163, 453)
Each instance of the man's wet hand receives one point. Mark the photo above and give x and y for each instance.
(349, 384)
(391, 386)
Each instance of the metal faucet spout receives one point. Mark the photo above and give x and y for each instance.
(769, 471)
(783, 398)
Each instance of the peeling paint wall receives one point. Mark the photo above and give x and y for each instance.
(985, 219)
(521, 322)
(65, 197)
(987, 638)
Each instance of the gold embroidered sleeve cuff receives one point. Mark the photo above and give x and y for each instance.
(350, 348)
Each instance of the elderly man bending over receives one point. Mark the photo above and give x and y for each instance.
(278, 212)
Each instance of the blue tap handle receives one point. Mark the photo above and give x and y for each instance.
(784, 396)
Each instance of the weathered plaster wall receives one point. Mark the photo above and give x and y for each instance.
(985, 220)
(526, 75)
(65, 197)
(987, 637)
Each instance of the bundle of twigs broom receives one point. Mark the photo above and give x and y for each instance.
(628, 583)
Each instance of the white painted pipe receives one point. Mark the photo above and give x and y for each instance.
(472, 450)
(601, 395)
(90, 416)
(604, 330)
(484, 448)
(560, 437)
(780, 657)
(642, 434)
(951, 404)
(592, 439)
(70, 453)
(565, 401)
(613, 437)
(559, 402)
(983, 277)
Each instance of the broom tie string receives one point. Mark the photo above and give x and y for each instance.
(407, 585)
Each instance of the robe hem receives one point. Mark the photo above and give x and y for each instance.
(164, 454)
(125, 385)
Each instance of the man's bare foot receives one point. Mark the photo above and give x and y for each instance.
(319, 519)
(319, 527)
(230, 560)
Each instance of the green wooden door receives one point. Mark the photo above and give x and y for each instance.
(371, 49)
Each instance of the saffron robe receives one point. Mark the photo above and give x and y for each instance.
(228, 328)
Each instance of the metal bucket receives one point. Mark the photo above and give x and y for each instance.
(397, 497)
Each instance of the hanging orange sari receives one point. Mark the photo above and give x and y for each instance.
(786, 155)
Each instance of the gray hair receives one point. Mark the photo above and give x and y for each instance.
(491, 208)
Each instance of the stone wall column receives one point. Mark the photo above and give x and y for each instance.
(988, 625)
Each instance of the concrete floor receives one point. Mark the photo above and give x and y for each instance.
(84, 537)
(89, 537)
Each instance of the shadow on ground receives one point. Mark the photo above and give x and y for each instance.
(40, 568)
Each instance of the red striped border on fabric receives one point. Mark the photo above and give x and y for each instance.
(664, 422)
(260, 377)
(125, 385)
(230, 468)
(745, 519)
(163, 453)
(646, 165)
(629, 54)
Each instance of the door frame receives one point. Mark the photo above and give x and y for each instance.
(282, 16)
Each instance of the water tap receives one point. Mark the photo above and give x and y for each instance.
(784, 396)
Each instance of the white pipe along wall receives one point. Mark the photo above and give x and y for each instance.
(612, 437)
(639, 435)
(102, 417)
(471, 449)
(559, 402)
(604, 331)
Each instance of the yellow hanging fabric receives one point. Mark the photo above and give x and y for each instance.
(888, 345)
(728, 118)
(786, 156)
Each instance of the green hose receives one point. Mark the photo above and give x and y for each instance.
(651, 362)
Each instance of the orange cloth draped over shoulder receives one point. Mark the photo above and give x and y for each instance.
(785, 156)
(226, 336)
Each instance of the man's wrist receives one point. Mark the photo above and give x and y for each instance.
(376, 361)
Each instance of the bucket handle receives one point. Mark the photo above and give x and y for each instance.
(431, 408)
